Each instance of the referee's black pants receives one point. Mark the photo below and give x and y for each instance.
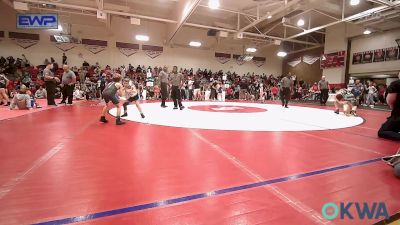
(51, 92)
(285, 96)
(164, 93)
(176, 96)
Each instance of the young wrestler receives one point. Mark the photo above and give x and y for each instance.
(111, 93)
(347, 106)
(131, 95)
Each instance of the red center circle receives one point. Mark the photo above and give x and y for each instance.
(227, 108)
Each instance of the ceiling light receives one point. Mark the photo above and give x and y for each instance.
(269, 15)
(367, 31)
(354, 2)
(213, 4)
(195, 44)
(142, 37)
(252, 50)
(281, 53)
(300, 22)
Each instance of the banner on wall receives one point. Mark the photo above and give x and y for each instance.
(1, 35)
(259, 61)
(62, 46)
(94, 46)
(367, 57)
(309, 59)
(222, 57)
(152, 51)
(357, 58)
(24, 40)
(127, 49)
(294, 62)
(238, 59)
(333, 60)
(392, 54)
(379, 55)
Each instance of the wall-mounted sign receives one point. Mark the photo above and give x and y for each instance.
(333, 60)
(37, 21)
(392, 54)
(367, 57)
(379, 55)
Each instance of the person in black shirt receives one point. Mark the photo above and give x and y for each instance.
(391, 128)
(64, 59)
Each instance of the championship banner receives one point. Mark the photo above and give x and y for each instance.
(1, 35)
(24, 40)
(392, 54)
(367, 57)
(357, 58)
(94, 46)
(259, 61)
(239, 60)
(127, 49)
(62, 46)
(152, 51)
(309, 59)
(222, 57)
(294, 62)
(333, 60)
(379, 55)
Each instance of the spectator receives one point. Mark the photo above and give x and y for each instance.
(64, 59)
(41, 93)
(391, 128)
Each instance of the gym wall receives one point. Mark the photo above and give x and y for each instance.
(377, 40)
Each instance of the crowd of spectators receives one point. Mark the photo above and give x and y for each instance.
(200, 84)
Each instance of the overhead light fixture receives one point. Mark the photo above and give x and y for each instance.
(252, 50)
(213, 4)
(367, 31)
(281, 53)
(269, 15)
(300, 22)
(142, 37)
(195, 44)
(354, 2)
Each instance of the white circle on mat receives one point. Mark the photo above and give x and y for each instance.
(270, 117)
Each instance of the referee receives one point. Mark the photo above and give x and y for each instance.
(177, 81)
(286, 85)
(51, 84)
(164, 86)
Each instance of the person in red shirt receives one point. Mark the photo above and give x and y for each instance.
(229, 93)
(274, 91)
